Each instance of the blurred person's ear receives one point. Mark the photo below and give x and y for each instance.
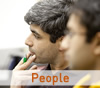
(97, 42)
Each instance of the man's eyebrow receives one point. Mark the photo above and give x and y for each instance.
(34, 32)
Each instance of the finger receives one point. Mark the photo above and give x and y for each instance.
(27, 56)
(33, 67)
(26, 64)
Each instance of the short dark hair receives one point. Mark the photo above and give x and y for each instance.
(90, 17)
(51, 16)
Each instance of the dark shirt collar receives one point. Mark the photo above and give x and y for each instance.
(49, 68)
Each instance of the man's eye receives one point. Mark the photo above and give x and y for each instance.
(36, 36)
(66, 32)
(71, 33)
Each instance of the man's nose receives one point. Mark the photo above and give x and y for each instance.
(65, 44)
(29, 42)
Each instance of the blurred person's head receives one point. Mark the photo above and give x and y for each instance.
(47, 20)
(82, 42)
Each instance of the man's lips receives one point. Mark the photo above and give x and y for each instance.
(30, 54)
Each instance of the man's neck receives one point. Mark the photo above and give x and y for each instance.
(60, 64)
(97, 67)
(54, 67)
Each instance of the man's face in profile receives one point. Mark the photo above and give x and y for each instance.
(79, 53)
(39, 44)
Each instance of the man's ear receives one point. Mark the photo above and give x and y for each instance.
(97, 48)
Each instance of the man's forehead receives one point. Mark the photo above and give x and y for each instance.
(74, 18)
(34, 27)
(71, 21)
(37, 29)
(74, 23)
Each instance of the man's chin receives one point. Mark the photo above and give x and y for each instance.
(37, 61)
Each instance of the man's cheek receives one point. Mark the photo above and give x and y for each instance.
(76, 46)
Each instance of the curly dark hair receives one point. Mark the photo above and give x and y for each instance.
(90, 17)
(51, 16)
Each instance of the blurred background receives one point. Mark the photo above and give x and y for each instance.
(13, 32)
(13, 29)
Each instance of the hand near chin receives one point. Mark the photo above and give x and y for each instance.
(20, 75)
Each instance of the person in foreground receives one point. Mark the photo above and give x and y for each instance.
(82, 41)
